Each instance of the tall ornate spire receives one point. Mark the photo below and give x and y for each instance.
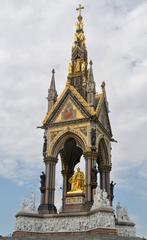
(91, 87)
(52, 93)
(77, 75)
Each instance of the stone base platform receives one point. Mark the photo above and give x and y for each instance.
(67, 235)
(98, 237)
(86, 224)
(99, 221)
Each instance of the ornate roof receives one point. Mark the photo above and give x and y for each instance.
(80, 87)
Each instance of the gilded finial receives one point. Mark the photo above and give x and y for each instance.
(79, 35)
(80, 8)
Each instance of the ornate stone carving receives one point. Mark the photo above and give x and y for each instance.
(51, 159)
(126, 231)
(70, 132)
(122, 214)
(100, 199)
(90, 155)
(65, 224)
(29, 206)
(83, 130)
(53, 134)
(105, 167)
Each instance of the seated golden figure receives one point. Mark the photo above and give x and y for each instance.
(77, 182)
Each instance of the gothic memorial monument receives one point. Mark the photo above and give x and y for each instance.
(76, 124)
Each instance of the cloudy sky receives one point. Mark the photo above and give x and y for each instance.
(35, 36)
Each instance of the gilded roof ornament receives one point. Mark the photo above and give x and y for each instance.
(80, 8)
(79, 35)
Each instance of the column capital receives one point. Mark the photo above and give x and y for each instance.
(50, 159)
(90, 155)
(105, 167)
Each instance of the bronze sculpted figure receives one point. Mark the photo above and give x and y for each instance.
(93, 137)
(94, 177)
(42, 180)
(112, 184)
(45, 146)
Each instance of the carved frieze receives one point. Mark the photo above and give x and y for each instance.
(65, 224)
(53, 134)
(84, 130)
(105, 167)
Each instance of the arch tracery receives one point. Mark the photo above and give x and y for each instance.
(104, 165)
(58, 143)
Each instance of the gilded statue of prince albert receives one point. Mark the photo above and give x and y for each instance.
(77, 182)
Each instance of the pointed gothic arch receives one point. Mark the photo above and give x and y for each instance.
(103, 156)
(58, 142)
(70, 145)
(104, 165)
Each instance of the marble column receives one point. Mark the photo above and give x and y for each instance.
(89, 158)
(102, 176)
(104, 170)
(107, 182)
(48, 206)
(64, 190)
(42, 199)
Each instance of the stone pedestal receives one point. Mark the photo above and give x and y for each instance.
(74, 202)
(85, 223)
(47, 209)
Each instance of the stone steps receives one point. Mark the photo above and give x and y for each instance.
(80, 238)
(76, 238)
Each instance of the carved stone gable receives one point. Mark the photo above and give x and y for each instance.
(68, 111)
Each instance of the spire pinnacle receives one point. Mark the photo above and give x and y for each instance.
(77, 71)
(52, 93)
(91, 63)
(53, 71)
(91, 86)
(91, 78)
(52, 86)
(103, 86)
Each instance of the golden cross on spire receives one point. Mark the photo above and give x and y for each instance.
(80, 8)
